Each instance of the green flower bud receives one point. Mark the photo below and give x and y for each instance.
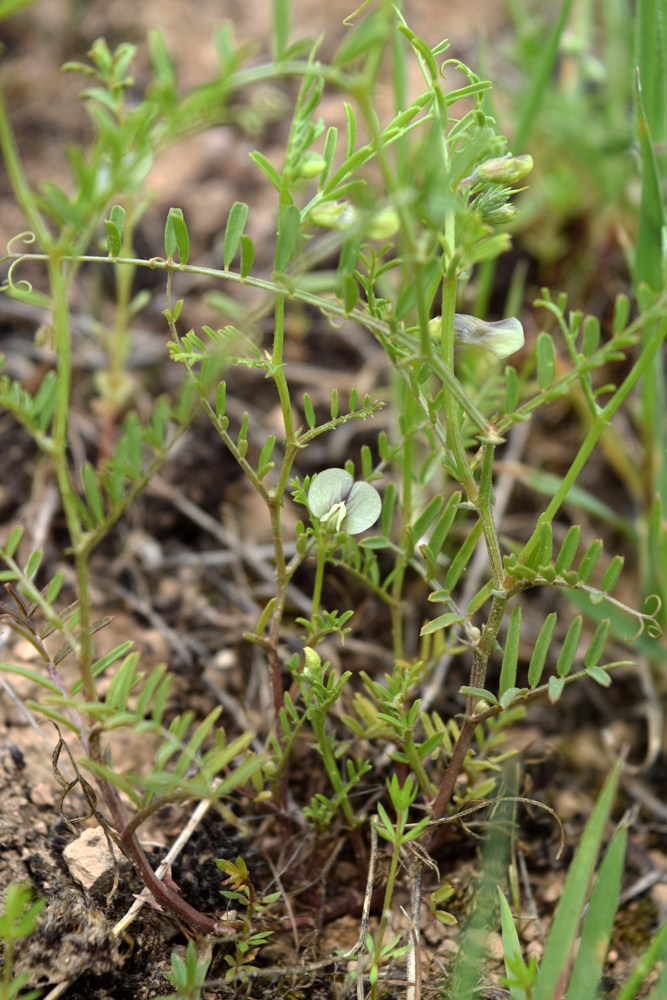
(312, 670)
(504, 169)
(310, 165)
(499, 216)
(313, 659)
(334, 214)
(502, 338)
(384, 224)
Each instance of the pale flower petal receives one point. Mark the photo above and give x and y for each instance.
(341, 504)
(327, 489)
(363, 508)
(502, 338)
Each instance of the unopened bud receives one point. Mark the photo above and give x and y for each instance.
(499, 216)
(334, 214)
(384, 224)
(504, 169)
(310, 165)
(313, 663)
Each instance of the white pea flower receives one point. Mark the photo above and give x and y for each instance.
(502, 338)
(340, 504)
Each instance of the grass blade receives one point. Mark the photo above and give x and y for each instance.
(558, 951)
(540, 83)
(598, 922)
(511, 944)
(651, 210)
(655, 951)
(650, 38)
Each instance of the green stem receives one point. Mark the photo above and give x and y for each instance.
(597, 427)
(118, 341)
(319, 573)
(417, 766)
(85, 658)
(20, 186)
(481, 653)
(406, 518)
(279, 376)
(485, 511)
(331, 767)
(389, 892)
(61, 417)
(59, 454)
(454, 435)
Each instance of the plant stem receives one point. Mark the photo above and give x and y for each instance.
(597, 426)
(19, 183)
(389, 892)
(417, 767)
(481, 653)
(319, 573)
(406, 516)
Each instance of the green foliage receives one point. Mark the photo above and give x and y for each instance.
(188, 977)
(18, 919)
(249, 940)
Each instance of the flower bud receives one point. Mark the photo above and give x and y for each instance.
(310, 165)
(312, 671)
(499, 216)
(504, 169)
(384, 224)
(334, 214)
(313, 659)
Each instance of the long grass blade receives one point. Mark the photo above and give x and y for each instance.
(559, 948)
(540, 83)
(598, 922)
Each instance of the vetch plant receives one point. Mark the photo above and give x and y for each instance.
(406, 234)
(249, 940)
